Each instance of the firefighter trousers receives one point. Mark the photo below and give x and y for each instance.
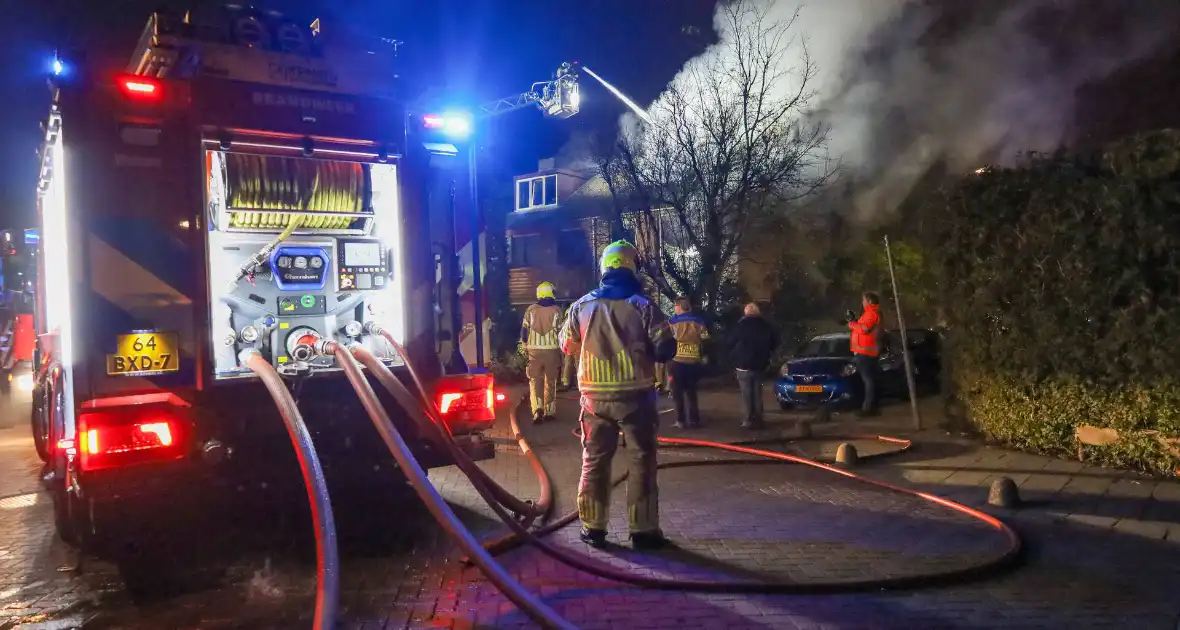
(544, 370)
(601, 423)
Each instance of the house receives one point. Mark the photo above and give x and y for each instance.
(559, 223)
(562, 219)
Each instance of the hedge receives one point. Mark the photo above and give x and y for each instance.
(1062, 285)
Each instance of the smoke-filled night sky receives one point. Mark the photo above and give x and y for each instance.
(906, 84)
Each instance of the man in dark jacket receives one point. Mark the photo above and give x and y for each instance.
(753, 344)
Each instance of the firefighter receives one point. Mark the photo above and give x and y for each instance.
(690, 333)
(619, 336)
(865, 332)
(539, 334)
(662, 381)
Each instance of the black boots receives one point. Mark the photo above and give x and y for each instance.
(594, 537)
(640, 541)
(648, 541)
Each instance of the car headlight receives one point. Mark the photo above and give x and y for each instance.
(848, 370)
(785, 371)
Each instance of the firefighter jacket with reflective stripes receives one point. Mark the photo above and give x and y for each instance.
(618, 336)
(540, 327)
(865, 330)
(690, 333)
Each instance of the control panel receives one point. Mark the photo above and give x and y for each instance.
(363, 264)
(299, 268)
(299, 257)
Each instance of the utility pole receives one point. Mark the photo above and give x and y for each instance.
(905, 346)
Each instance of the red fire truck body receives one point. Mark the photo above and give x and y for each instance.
(234, 190)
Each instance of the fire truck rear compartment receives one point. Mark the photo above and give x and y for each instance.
(298, 250)
(240, 463)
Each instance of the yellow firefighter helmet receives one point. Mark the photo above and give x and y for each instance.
(545, 290)
(619, 255)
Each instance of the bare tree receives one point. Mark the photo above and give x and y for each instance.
(727, 143)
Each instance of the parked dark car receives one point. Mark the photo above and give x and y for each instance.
(822, 371)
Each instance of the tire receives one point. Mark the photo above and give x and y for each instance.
(68, 516)
(39, 424)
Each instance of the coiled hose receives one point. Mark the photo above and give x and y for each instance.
(537, 610)
(327, 596)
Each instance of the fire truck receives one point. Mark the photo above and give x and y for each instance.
(247, 181)
(18, 267)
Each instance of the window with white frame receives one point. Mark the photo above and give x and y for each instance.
(536, 192)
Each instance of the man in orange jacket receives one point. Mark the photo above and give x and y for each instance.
(865, 347)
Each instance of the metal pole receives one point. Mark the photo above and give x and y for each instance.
(905, 346)
(458, 364)
(476, 266)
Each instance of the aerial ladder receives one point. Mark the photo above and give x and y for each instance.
(557, 98)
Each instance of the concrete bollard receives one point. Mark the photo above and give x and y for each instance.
(1003, 493)
(846, 455)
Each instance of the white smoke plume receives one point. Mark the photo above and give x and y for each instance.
(908, 84)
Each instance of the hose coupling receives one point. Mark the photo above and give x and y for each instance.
(324, 347)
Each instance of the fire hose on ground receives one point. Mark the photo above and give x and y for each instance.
(482, 484)
(518, 515)
(537, 610)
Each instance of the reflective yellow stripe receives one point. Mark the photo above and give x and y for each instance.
(535, 399)
(593, 513)
(644, 515)
(685, 350)
(547, 341)
(616, 375)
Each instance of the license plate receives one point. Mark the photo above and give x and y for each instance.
(144, 353)
(809, 389)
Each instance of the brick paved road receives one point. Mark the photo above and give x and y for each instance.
(778, 522)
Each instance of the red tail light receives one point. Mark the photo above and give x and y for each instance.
(467, 402)
(110, 437)
(140, 88)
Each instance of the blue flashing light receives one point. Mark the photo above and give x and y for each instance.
(58, 67)
(456, 125)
